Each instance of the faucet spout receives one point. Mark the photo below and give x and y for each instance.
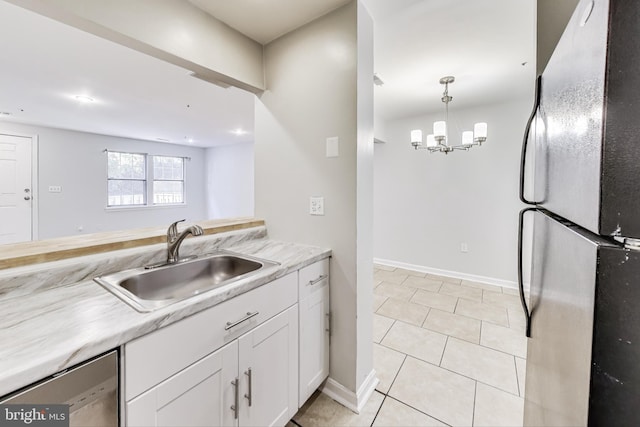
(174, 241)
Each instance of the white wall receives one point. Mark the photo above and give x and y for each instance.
(427, 204)
(364, 193)
(76, 162)
(311, 76)
(175, 31)
(230, 188)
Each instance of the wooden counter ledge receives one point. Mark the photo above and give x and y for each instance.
(19, 254)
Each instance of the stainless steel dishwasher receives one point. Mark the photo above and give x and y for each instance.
(90, 389)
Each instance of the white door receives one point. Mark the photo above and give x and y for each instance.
(204, 394)
(16, 189)
(268, 365)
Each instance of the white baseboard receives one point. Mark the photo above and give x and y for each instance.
(455, 274)
(349, 399)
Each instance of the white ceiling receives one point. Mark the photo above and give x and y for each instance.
(483, 43)
(265, 21)
(45, 63)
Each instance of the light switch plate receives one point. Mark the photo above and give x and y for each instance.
(55, 189)
(333, 147)
(316, 205)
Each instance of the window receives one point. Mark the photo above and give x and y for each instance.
(168, 180)
(126, 177)
(129, 173)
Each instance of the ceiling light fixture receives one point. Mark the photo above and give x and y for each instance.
(84, 98)
(239, 132)
(439, 140)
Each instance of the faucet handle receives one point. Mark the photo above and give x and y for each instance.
(172, 231)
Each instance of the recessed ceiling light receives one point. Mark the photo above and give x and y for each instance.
(5, 113)
(239, 132)
(84, 98)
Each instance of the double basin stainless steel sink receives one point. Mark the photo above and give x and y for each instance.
(149, 289)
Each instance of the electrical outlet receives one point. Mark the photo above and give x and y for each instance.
(464, 248)
(316, 205)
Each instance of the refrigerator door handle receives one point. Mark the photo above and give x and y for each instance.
(525, 141)
(527, 313)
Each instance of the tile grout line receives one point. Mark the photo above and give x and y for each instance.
(517, 379)
(418, 410)
(456, 307)
(385, 334)
(471, 342)
(425, 321)
(384, 397)
(443, 350)
(397, 373)
(383, 302)
(475, 393)
(463, 375)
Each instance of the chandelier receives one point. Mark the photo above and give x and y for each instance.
(439, 139)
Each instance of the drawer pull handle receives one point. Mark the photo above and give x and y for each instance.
(244, 319)
(248, 396)
(328, 328)
(318, 280)
(234, 407)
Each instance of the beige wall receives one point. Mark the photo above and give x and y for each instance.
(553, 16)
(173, 30)
(312, 75)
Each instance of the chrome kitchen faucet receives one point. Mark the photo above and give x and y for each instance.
(174, 240)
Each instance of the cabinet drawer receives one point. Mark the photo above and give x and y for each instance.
(154, 357)
(312, 277)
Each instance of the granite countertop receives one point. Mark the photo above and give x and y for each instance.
(54, 328)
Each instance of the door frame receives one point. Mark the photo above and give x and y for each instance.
(35, 199)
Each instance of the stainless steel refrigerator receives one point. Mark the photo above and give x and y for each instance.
(583, 359)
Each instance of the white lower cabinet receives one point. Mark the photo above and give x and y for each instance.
(252, 381)
(269, 371)
(197, 396)
(315, 325)
(252, 360)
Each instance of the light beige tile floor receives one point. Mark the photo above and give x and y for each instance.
(447, 352)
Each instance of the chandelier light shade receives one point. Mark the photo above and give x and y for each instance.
(439, 139)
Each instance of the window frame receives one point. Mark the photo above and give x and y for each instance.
(148, 183)
(145, 181)
(153, 180)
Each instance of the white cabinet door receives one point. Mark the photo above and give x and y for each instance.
(268, 362)
(200, 395)
(314, 341)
